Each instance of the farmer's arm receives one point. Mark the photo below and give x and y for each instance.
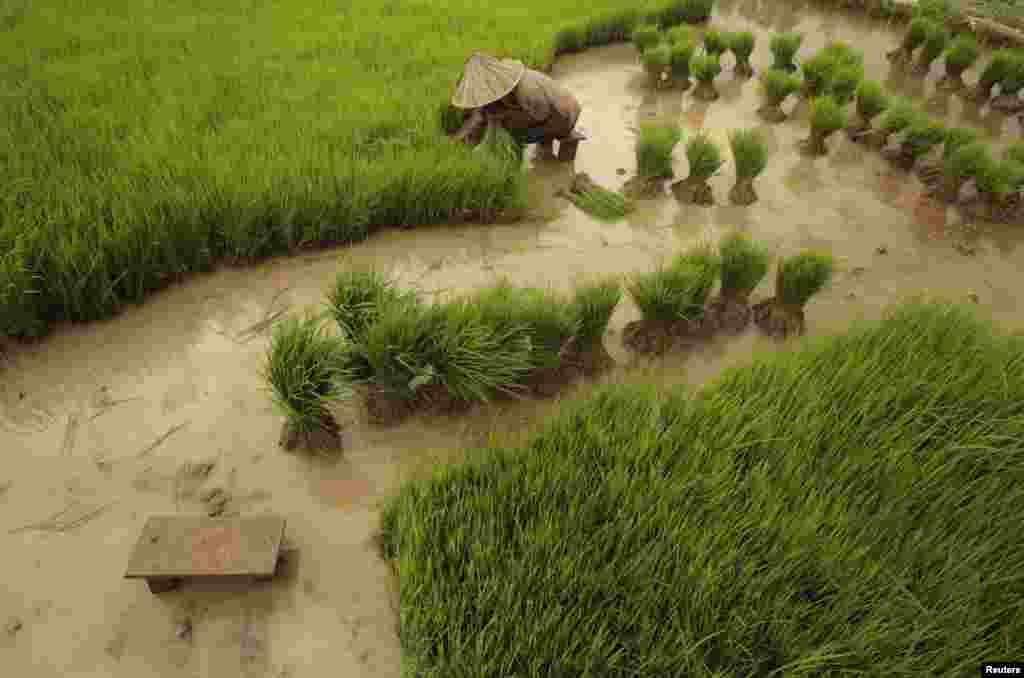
(471, 127)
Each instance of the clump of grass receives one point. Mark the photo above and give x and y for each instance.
(961, 165)
(598, 201)
(871, 102)
(998, 67)
(646, 36)
(917, 32)
(705, 68)
(776, 86)
(784, 47)
(591, 310)
(744, 264)
(305, 368)
(656, 61)
(935, 44)
(356, 298)
(704, 159)
(798, 278)
(655, 144)
(961, 54)
(679, 63)
(827, 117)
(844, 84)
(741, 43)
(750, 155)
(677, 291)
(716, 42)
(900, 114)
(920, 137)
(500, 143)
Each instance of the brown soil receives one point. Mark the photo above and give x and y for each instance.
(324, 438)
(1007, 103)
(947, 189)
(729, 315)
(656, 337)
(899, 157)
(705, 91)
(814, 144)
(693, 191)
(779, 321)
(953, 80)
(1007, 210)
(930, 174)
(899, 55)
(982, 92)
(876, 138)
(643, 188)
(744, 70)
(772, 113)
(743, 193)
(921, 68)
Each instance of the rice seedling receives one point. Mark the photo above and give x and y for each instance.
(871, 102)
(655, 144)
(356, 298)
(798, 278)
(919, 138)
(591, 310)
(305, 371)
(827, 117)
(603, 29)
(1015, 152)
(691, 11)
(677, 291)
(784, 47)
(704, 159)
(679, 63)
(917, 32)
(656, 61)
(680, 34)
(520, 532)
(598, 201)
(744, 264)
(995, 183)
(716, 42)
(935, 44)
(938, 11)
(1010, 86)
(776, 86)
(954, 139)
(705, 68)
(961, 54)
(900, 114)
(960, 166)
(817, 73)
(845, 81)
(500, 143)
(750, 155)
(741, 43)
(646, 36)
(998, 67)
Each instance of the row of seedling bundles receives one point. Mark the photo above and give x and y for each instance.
(674, 56)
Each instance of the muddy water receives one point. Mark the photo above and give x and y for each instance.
(99, 423)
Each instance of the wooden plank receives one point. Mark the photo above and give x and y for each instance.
(177, 546)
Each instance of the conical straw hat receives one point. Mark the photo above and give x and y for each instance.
(486, 79)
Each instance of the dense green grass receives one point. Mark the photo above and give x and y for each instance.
(852, 507)
(677, 290)
(147, 141)
(654, 146)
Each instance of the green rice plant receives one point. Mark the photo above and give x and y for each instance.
(685, 11)
(1012, 81)
(705, 68)
(716, 42)
(599, 202)
(744, 265)
(961, 54)
(750, 155)
(994, 182)
(741, 43)
(956, 138)
(680, 34)
(935, 44)
(656, 61)
(998, 67)
(677, 291)
(965, 163)
(356, 298)
(1015, 152)
(938, 11)
(797, 279)
(704, 159)
(784, 47)
(817, 73)
(450, 118)
(827, 117)
(919, 138)
(603, 29)
(917, 32)
(654, 147)
(304, 368)
(776, 86)
(679, 62)
(591, 310)
(500, 143)
(645, 37)
(871, 102)
(844, 84)
(843, 53)
(900, 115)
(546, 318)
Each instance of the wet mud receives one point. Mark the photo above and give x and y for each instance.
(162, 409)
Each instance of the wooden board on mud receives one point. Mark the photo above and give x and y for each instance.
(175, 547)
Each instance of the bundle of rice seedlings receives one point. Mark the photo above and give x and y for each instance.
(961, 54)
(998, 67)
(715, 42)
(871, 102)
(1015, 152)
(654, 147)
(817, 73)
(784, 47)
(656, 62)
(305, 370)
(596, 200)
(960, 166)
(920, 137)
(705, 68)
(356, 298)
(776, 86)
(705, 160)
(500, 143)
(917, 33)
(744, 263)
(939, 11)
(679, 63)
(680, 33)
(646, 36)
(827, 117)
(935, 44)
(900, 114)
(591, 310)
(997, 182)
(1010, 86)
(750, 156)
(741, 43)
(692, 11)
(844, 84)
(954, 139)
(798, 279)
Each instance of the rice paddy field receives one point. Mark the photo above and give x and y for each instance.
(847, 502)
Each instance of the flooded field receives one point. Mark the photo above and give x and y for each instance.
(102, 424)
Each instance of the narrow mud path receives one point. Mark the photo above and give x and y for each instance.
(101, 425)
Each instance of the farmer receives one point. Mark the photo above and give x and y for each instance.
(530, 105)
